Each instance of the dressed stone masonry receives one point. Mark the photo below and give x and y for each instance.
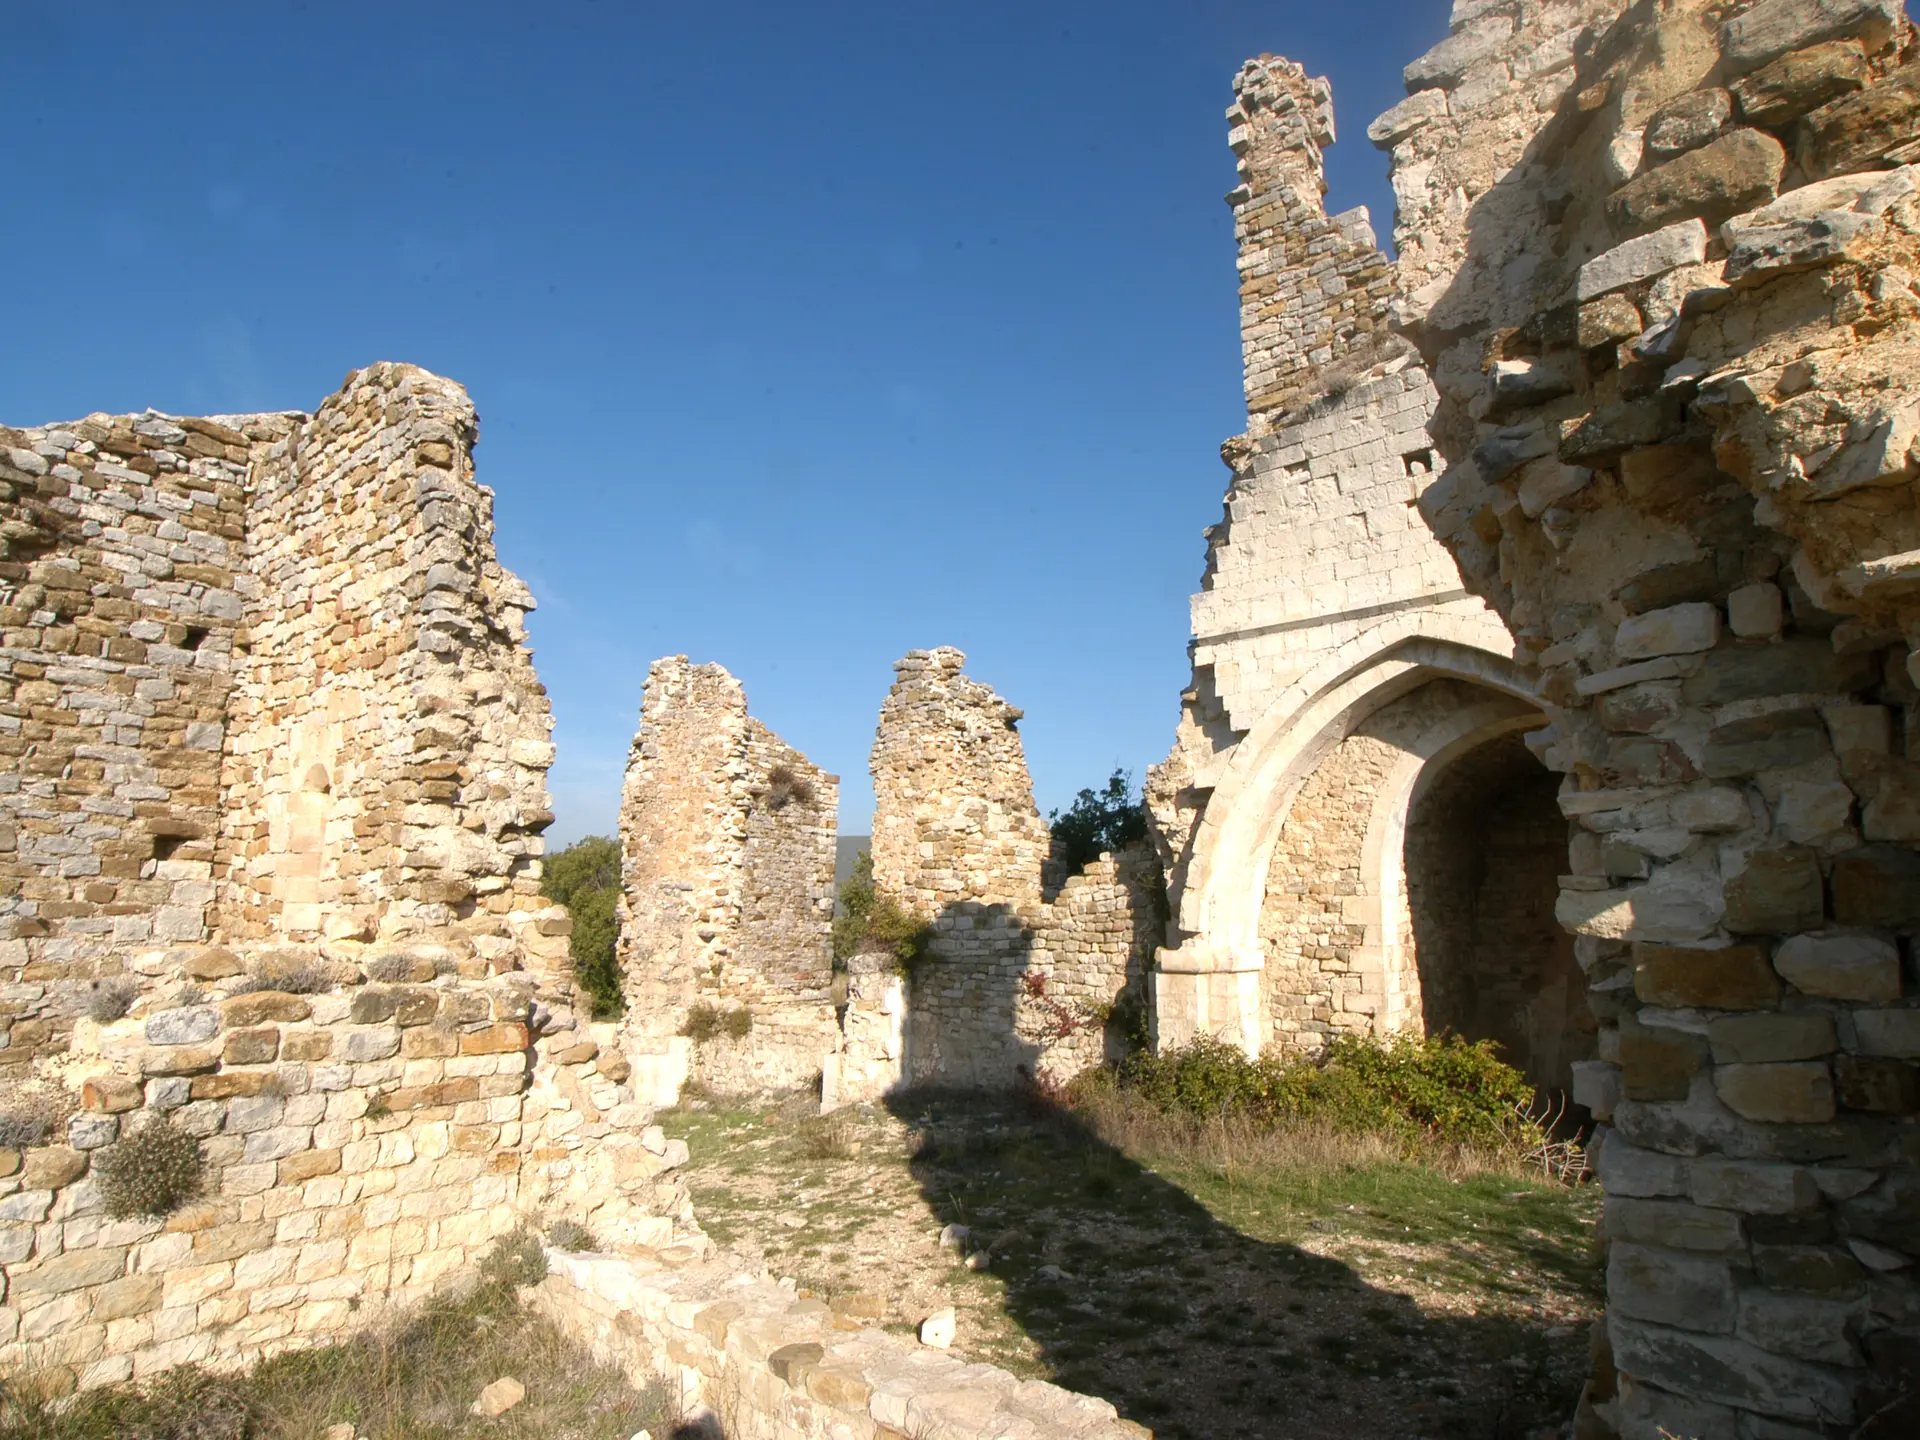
(727, 870)
(1341, 673)
(1667, 253)
(1027, 963)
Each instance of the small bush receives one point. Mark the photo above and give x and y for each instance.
(1438, 1089)
(572, 1235)
(108, 1000)
(151, 1171)
(515, 1259)
(785, 785)
(706, 1021)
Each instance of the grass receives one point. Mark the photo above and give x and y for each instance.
(1208, 1278)
(412, 1378)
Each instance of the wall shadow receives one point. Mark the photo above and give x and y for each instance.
(1133, 1290)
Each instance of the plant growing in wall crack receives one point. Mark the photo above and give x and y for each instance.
(151, 1171)
(873, 922)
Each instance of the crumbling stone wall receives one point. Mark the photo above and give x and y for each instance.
(727, 866)
(1314, 288)
(1320, 568)
(1677, 300)
(1021, 975)
(382, 1064)
(122, 558)
(389, 738)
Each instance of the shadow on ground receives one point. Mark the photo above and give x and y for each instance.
(1135, 1291)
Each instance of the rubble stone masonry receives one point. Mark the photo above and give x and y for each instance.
(1661, 262)
(1026, 963)
(727, 869)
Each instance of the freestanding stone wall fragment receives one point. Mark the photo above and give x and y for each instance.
(727, 863)
(1674, 332)
(1025, 965)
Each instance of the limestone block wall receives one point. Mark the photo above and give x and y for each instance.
(1020, 976)
(1314, 289)
(727, 841)
(389, 740)
(1685, 310)
(1321, 544)
(122, 559)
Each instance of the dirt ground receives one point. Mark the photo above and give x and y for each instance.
(1204, 1300)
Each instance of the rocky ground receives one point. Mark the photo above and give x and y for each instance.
(1204, 1300)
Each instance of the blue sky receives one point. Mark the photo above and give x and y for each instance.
(801, 335)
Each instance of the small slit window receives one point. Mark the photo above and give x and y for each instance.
(1418, 462)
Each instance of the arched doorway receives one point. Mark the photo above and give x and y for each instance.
(1485, 845)
(1297, 920)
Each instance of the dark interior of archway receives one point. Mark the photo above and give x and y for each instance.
(1485, 846)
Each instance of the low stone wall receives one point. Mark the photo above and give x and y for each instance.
(361, 1144)
(767, 1364)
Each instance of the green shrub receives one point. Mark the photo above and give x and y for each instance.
(1097, 824)
(874, 922)
(1440, 1089)
(585, 877)
(150, 1171)
(706, 1021)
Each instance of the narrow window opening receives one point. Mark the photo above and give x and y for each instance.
(164, 846)
(195, 634)
(1418, 462)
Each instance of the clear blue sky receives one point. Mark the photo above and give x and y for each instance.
(801, 335)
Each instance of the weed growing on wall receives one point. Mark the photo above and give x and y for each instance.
(873, 922)
(585, 877)
(572, 1235)
(108, 1000)
(152, 1171)
(707, 1021)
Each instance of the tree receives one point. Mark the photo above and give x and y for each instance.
(585, 877)
(1096, 823)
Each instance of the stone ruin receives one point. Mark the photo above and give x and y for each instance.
(1658, 267)
(272, 844)
(727, 886)
(1599, 496)
(727, 860)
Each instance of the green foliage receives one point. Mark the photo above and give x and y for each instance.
(585, 877)
(152, 1171)
(1441, 1089)
(1098, 823)
(872, 921)
(706, 1021)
